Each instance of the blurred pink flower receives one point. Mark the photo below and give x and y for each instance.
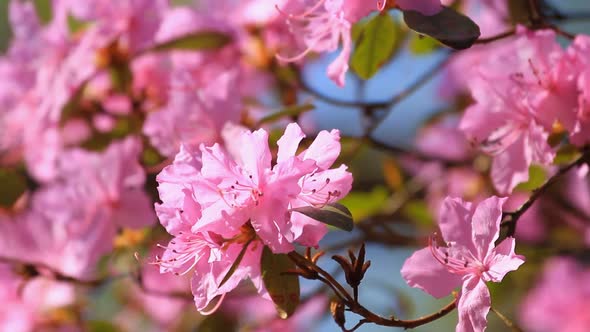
(469, 259)
(261, 314)
(25, 303)
(561, 299)
(72, 222)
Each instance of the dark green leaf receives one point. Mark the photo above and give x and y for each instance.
(288, 111)
(13, 185)
(236, 263)
(283, 288)
(333, 214)
(199, 41)
(375, 45)
(448, 26)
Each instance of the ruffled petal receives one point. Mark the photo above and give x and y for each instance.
(289, 142)
(474, 305)
(423, 271)
(455, 221)
(486, 224)
(502, 260)
(324, 149)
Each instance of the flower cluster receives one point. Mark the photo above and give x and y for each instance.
(223, 202)
(525, 90)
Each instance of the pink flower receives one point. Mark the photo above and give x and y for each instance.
(26, 302)
(239, 185)
(511, 118)
(222, 202)
(261, 314)
(321, 26)
(560, 301)
(469, 259)
(72, 222)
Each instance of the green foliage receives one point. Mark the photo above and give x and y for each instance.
(566, 154)
(283, 288)
(418, 211)
(376, 42)
(365, 204)
(13, 185)
(423, 45)
(537, 177)
(448, 27)
(101, 326)
(333, 214)
(199, 41)
(43, 9)
(75, 25)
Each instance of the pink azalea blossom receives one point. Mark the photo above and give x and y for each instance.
(468, 259)
(219, 202)
(560, 300)
(512, 118)
(322, 24)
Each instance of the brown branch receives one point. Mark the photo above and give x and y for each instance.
(40, 269)
(359, 309)
(511, 218)
(373, 106)
(497, 37)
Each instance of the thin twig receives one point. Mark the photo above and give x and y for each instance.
(513, 327)
(511, 218)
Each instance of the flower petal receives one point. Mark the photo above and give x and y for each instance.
(486, 224)
(503, 260)
(289, 142)
(324, 149)
(423, 271)
(455, 221)
(474, 305)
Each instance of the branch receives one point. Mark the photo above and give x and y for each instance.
(511, 218)
(355, 306)
(372, 106)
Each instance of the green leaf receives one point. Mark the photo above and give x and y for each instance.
(375, 45)
(101, 326)
(235, 264)
(537, 177)
(419, 212)
(365, 204)
(199, 41)
(287, 111)
(43, 9)
(282, 288)
(75, 25)
(333, 214)
(423, 45)
(566, 154)
(448, 27)
(13, 186)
